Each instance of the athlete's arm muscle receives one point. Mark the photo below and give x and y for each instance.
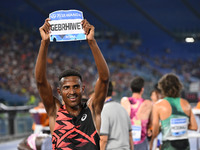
(43, 85)
(101, 87)
(103, 142)
(155, 123)
(188, 111)
(131, 141)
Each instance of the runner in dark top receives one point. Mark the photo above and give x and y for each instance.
(73, 125)
(77, 132)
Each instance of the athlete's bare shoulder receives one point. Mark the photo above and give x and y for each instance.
(163, 108)
(145, 110)
(123, 99)
(160, 102)
(126, 104)
(185, 106)
(184, 101)
(147, 103)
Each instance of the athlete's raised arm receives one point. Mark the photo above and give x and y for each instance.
(43, 85)
(101, 87)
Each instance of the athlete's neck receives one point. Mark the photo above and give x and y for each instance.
(74, 111)
(137, 95)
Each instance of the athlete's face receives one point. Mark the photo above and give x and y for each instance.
(154, 97)
(71, 90)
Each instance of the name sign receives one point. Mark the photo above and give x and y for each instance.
(136, 133)
(66, 26)
(179, 126)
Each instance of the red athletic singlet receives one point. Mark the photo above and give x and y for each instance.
(75, 133)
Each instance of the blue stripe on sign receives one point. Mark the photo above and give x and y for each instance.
(66, 14)
(178, 120)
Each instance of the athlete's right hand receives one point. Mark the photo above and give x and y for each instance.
(45, 30)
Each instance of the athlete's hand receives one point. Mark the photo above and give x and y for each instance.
(89, 30)
(149, 132)
(45, 30)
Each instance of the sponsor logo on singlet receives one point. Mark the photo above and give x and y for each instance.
(84, 117)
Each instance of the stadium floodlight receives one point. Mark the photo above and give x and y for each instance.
(189, 39)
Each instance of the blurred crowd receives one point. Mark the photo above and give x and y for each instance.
(18, 55)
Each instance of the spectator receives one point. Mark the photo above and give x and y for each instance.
(115, 132)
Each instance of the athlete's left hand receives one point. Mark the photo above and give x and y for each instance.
(89, 30)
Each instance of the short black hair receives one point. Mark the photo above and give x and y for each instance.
(110, 89)
(70, 72)
(137, 84)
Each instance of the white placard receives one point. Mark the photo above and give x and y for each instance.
(66, 26)
(136, 132)
(179, 126)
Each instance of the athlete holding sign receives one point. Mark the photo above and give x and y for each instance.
(73, 125)
(175, 114)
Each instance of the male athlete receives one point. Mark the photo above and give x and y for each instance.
(139, 111)
(73, 125)
(175, 114)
